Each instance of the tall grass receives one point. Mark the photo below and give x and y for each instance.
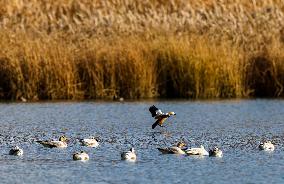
(141, 49)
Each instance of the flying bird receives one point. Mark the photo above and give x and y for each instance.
(159, 115)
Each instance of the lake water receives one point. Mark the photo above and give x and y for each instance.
(236, 126)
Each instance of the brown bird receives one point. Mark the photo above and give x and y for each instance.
(61, 143)
(179, 149)
(159, 115)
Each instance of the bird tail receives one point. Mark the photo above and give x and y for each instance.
(155, 124)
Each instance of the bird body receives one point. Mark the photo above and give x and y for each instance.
(215, 152)
(179, 149)
(82, 155)
(129, 155)
(90, 142)
(16, 151)
(266, 146)
(159, 115)
(197, 151)
(61, 143)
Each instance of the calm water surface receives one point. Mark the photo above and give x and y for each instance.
(235, 126)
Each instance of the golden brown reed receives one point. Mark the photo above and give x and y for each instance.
(139, 49)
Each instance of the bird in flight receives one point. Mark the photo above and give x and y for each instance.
(159, 116)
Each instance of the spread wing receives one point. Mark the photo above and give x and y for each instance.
(155, 111)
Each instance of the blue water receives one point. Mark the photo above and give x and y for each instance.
(236, 126)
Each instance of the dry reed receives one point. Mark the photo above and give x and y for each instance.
(141, 49)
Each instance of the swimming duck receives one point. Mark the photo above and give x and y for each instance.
(266, 146)
(197, 151)
(90, 142)
(159, 115)
(215, 152)
(61, 143)
(179, 149)
(129, 155)
(17, 151)
(82, 155)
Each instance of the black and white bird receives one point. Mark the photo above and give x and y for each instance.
(17, 151)
(215, 152)
(159, 116)
(266, 146)
(129, 155)
(90, 142)
(82, 155)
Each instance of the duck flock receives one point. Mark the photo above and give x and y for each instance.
(160, 117)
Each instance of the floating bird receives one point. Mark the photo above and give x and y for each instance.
(159, 115)
(61, 143)
(215, 152)
(179, 149)
(197, 151)
(129, 155)
(82, 155)
(266, 146)
(16, 151)
(90, 142)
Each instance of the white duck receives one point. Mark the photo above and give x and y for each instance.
(266, 146)
(129, 155)
(17, 151)
(82, 155)
(90, 142)
(215, 152)
(197, 151)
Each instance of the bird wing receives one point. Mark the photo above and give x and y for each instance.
(193, 151)
(156, 123)
(165, 150)
(155, 111)
(171, 150)
(50, 144)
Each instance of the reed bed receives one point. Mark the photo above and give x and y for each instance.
(94, 49)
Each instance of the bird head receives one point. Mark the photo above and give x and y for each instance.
(171, 113)
(181, 144)
(215, 149)
(63, 138)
